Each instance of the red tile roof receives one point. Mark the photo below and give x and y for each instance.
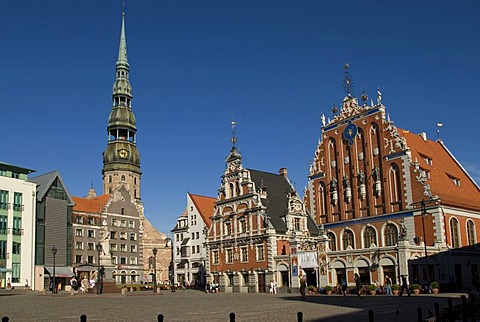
(205, 206)
(93, 205)
(443, 169)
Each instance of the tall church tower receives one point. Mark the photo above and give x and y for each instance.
(121, 160)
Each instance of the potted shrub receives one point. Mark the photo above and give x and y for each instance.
(311, 289)
(328, 289)
(395, 289)
(373, 289)
(416, 288)
(435, 286)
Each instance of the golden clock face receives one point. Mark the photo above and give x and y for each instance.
(123, 153)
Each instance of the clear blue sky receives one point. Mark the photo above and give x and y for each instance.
(273, 65)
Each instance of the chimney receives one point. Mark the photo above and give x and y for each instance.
(424, 136)
(283, 172)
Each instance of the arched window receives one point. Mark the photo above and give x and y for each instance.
(391, 235)
(109, 179)
(347, 239)
(369, 237)
(454, 233)
(332, 243)
(471, 233)
(232, 190)
(123, 179)
(395, 185)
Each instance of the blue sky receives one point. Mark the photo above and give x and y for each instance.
(274, 66)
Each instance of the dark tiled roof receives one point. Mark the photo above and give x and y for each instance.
(277, 187)
(45, 181)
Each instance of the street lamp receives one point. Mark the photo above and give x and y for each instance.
(54, 286)
(154, 250)
(99, 250)
(172, 280)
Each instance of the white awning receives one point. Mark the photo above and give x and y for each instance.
(60, 271)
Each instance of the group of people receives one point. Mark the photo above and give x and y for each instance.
(387, 287)
(212, 288)
(83, 286)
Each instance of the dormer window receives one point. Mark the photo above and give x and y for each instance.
(455, 180)
(428, 160)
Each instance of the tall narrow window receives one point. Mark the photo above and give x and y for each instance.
(347, 239)
(471, 233)
(369, 237)
(3, 199)
(260, 253)
(332, 243)
(454, 233)
(17, 201)
(391, 235)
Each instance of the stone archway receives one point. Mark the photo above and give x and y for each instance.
(283, 276)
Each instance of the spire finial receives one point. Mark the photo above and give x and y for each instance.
(347, 81)
(123, 7)
(233, 139)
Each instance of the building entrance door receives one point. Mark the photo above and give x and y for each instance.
(261, 283)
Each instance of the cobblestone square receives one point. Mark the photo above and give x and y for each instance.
(190, 305)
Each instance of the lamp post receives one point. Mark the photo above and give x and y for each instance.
(154, 250)
(172, 272)
(99, 250)
(54, 286)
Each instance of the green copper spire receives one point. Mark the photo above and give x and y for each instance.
(122, 49)
(121, 160)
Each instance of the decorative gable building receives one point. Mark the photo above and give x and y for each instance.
(257, 225)
(385, 197)
(108, 234)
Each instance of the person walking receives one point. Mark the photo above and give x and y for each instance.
(358, 285)
(303, 287)
(344, 287)
(404, 286)
(388, 285)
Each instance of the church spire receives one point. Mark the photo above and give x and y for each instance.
(122, 49)
(121, 160)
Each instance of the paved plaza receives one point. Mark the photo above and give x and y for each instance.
(191, 305)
